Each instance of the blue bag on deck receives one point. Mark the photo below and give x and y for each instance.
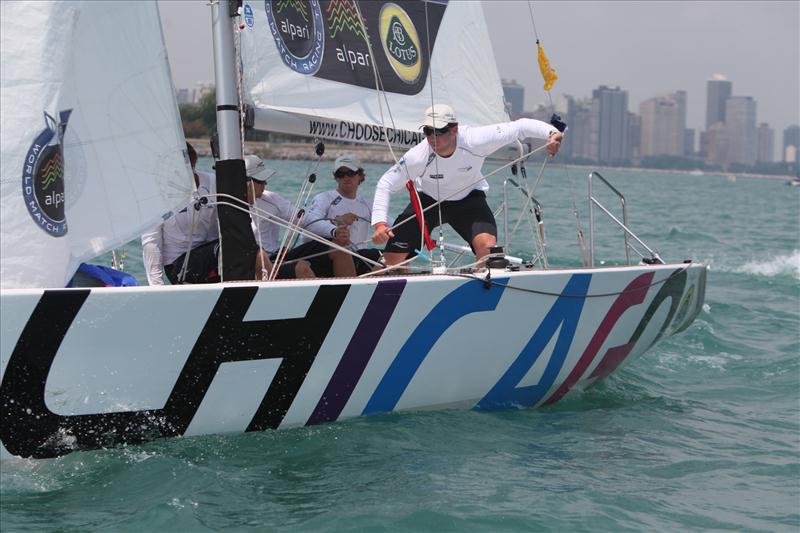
(100, 276)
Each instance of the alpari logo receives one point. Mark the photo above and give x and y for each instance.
(401, 43)
(299, 34)
(43, 176)
(345, 22)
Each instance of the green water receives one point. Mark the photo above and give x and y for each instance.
(702, 432)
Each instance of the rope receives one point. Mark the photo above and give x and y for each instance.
(289, 226)
(560, 295)
(379, 91)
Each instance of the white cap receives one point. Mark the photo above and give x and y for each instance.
(347, 161)
(439, 116)
(256, 169)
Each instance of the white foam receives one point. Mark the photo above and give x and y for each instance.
(777, 266)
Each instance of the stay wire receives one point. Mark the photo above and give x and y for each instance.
(423, 226)
(579, 230)
(578, 296)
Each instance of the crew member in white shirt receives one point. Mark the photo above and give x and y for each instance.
(193, 228)
(342, 216)
(447, 166)
(267, 233)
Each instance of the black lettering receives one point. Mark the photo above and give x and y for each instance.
(30, 429)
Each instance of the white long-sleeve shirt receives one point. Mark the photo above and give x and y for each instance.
(163, 244)
(278, 206)
(445, 177)
(330, 204)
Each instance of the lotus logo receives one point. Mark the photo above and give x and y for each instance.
(401, 43)
(43, 176)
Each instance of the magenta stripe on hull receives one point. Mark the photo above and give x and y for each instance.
(633, 294)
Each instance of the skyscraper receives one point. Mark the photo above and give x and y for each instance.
(581, 129)
(740, 123)
(765, 146)
(718, 91)
(612, 124)
(663, 125)
(514, 94)
(791, 144)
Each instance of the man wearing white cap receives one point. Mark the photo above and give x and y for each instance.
(343, 217)
(447, 166)
(268, 203)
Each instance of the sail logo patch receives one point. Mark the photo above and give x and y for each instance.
(299, 34)
(401, 43)
(43, 176)
(248, 16)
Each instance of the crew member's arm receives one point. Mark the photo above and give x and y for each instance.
(392, 181)
(151, 250)
(489, 139)
(316, 218)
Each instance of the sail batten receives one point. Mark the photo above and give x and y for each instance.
(307, 67)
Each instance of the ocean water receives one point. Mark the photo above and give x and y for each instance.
(701, 433)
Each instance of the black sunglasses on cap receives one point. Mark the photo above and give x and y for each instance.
(347, 173)
(428, 131)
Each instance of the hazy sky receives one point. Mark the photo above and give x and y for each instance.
(647, 48)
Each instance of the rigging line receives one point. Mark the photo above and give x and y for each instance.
(536, 34)
(423, 226)
(278, 221)
(579, 230)
(250, 185)
(392, 267)
(379, 91)
(185, 266)
(578, 296)
(529, 193)
(289, 236)
(313, 236)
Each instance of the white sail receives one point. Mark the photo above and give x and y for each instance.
(308, 69)
(92, 147)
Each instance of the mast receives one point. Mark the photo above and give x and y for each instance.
(238, 246)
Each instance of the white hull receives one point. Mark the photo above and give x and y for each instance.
(90, 368)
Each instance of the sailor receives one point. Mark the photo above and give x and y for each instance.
(193, 228)
(273, 204)
(447, 165)
(185, 247)
(342, 216)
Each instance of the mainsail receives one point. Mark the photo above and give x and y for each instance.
(308, 69)
(92, 147)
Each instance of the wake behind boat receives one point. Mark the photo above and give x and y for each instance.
(98, 162)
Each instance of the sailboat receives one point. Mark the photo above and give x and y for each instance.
(93, 154)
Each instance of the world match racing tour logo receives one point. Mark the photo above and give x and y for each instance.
(43, 176)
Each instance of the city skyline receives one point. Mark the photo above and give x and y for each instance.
(646, 48)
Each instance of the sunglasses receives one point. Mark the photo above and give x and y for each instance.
(347, 173)
(428, 131)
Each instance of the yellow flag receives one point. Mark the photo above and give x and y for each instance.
(548, 73)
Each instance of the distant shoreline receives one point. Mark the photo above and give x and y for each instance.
(378, 154)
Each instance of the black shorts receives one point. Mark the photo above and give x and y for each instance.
(202, 266)
(316, 253)
(469, 216)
